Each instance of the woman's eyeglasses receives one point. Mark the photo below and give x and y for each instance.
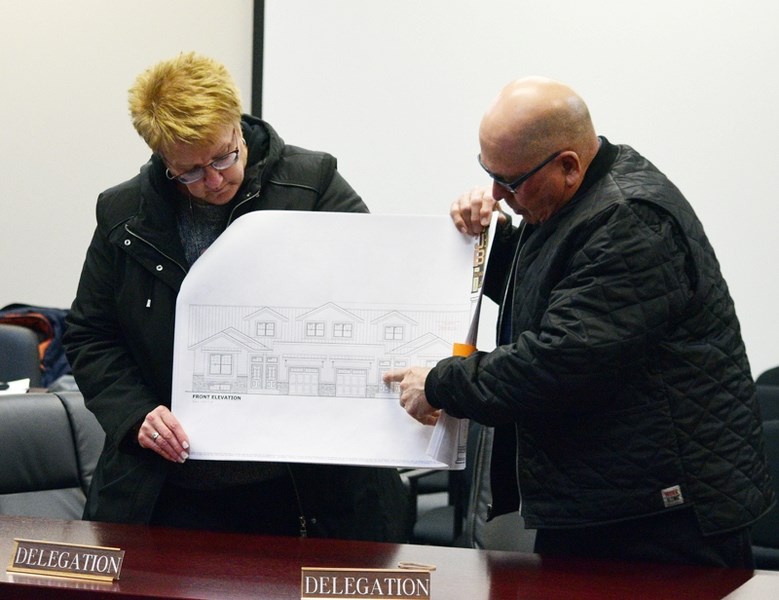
(219, 164)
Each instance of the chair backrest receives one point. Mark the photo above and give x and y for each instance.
(88, 435)
(479, 489)
(49, 445)
(505, 532)
(765, 531)
(769, 377)
(768, 399)
(19, 357)
(443, 525)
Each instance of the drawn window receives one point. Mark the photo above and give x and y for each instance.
(393, 332)
(220, 364)
(266, 329)
(342, 330)
(315, 329)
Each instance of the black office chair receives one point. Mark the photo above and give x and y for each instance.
(505, 532)
(768, 399)
(19, 358)
(463, 523)
(769, 377)
(443, 525)
(49, 447)
(765, 531)
(428, 488)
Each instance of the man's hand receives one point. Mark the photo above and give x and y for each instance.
(161, 432)
(412, 393)
(472, 212)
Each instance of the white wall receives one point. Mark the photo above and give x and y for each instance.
(395, 89)
(66, 134)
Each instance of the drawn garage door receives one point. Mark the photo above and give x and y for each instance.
(351, 382)
(303, 381)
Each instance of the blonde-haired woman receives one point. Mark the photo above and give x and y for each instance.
(210, 164)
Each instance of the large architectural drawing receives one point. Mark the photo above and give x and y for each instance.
(287, 323)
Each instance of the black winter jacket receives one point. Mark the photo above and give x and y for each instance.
(120, 334)
(622, 387)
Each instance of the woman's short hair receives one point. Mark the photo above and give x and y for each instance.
(188, 99)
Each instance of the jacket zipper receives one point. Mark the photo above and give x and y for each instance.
(153, 247)
(510, 288)
(173, 260)
(242, 202)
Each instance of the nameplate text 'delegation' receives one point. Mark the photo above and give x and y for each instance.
(362, 584)
(57, 559)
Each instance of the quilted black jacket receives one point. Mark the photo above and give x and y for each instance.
(622, 388)
(120, 334)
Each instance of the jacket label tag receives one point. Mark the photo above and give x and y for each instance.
(672, 496)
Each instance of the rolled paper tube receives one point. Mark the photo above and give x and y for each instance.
(462, 349)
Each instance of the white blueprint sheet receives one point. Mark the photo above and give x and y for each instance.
(286, 324)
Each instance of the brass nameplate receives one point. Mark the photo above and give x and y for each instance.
(360, 584)
(66, 560)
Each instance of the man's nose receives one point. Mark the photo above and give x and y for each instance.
(499, 192)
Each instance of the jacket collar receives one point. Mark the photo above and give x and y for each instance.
(600, 165)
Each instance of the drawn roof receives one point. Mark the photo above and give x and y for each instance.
(428, 341)
(394, 314)
(232, 337)
(329, 306)
(266, 311)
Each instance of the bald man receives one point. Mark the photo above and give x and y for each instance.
(625, 419)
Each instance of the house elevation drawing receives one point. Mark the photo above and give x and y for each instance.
(328, 350)
(286, 325)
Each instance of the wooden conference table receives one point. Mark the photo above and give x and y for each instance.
(170, 563)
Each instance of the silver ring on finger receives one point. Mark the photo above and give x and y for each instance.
(154, 436)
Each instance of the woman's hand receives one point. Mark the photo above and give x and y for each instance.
(161, 432)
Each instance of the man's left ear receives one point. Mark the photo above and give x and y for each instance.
(572, 167)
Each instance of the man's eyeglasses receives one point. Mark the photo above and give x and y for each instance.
(220, 164)
(513, 186)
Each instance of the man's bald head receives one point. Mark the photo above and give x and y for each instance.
(537, 142)
(534, 116)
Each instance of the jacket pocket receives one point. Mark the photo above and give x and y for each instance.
(600, 466)
(125, 488)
